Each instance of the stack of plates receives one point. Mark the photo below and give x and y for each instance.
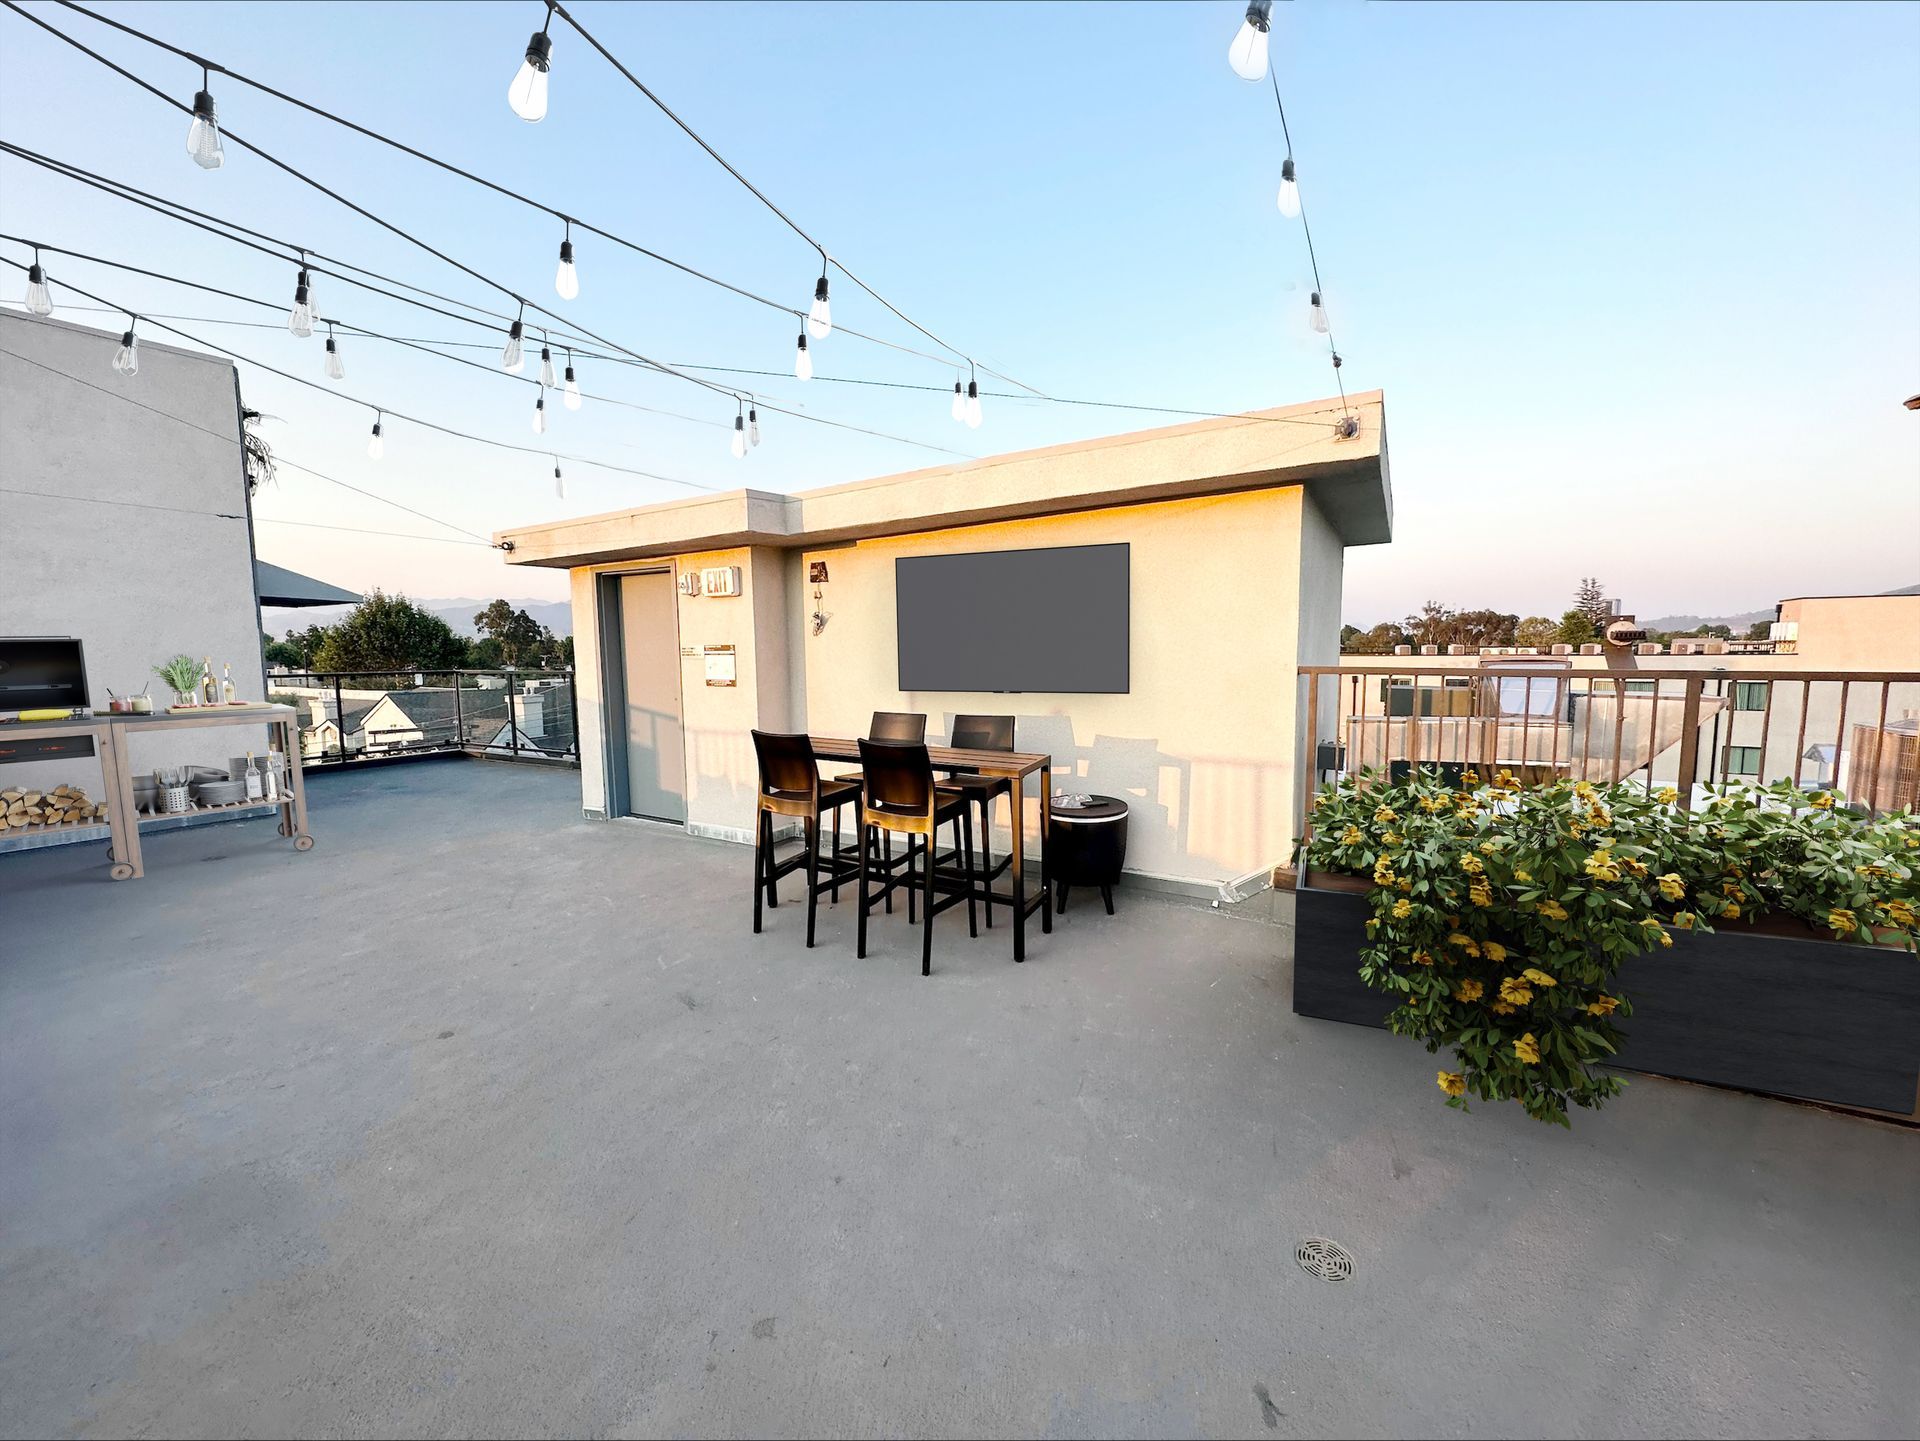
(219, 793)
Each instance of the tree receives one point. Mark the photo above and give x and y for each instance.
(282, 653)
(1379, 641)
(305, 644)
(1348, 635)
(1718, 632)
(389, 633)
(1432, 624)
(516, 635)
(1483, 627)
(1760, 630)
(1593, 602)
(1576, 628)
(1536, 631)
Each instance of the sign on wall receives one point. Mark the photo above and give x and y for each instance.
(721, 667)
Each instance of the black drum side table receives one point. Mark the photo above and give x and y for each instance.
(1087, 847)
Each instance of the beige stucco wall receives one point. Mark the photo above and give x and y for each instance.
(1855, 632)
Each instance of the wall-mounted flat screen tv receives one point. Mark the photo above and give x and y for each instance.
(1015, 620)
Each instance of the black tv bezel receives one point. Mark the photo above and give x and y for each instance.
(86, 686)
(1126, 618)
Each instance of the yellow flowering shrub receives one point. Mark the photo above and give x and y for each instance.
(1502, 913)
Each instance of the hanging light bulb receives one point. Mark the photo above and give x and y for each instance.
(203, 136)
(1248, 53)
(820, 314)
(739, 442)
(570, 395)
(39, 298)
(959, 402)
(1289, 198)
(336, 369)
(974, 416)
(528, 92)
(566, 279)
(540, 414)
(753, 427)
(300, 318)
(1317, 315)
(802, 362)
(510, 357)
(546, 365)
(376, 447)
(559, 485)
(126, 359)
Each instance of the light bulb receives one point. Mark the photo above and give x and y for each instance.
(203, 136)
(1248, 53)
(126, 359)
(570, 397)
(540, 415)
(559, 485)
(510, 357)
(376, 447)
(1317, 315)
(546, 367)
(528, 93)
(802, 362)
(973, 405)
(566, 279)
(300, 318)
(1289, 198)
(820, 314)
(753, 427)
(959, 402)
(739, 443)
(39, 298)
(336, 369)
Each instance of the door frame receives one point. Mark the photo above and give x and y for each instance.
(613, 684)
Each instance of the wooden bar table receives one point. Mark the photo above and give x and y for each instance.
(1014, 767)
(111, 733)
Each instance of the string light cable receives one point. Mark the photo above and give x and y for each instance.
(568, 220)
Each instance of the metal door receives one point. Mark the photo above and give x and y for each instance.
(649, 650)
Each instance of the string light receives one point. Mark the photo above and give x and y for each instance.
(376, 445)
(546, 363)
(570, 396)
(753, 427)
(738, 445)
(820, 314)
(126, 360)
(203, 135)
(974, 416)
(566, 280)
(802, 361)
(528, 92)
(1317, 316)
(959, 401)
(1248, 53)
(559, 485)
(1289, 197)
(336, 369)
(510, 356)
(540, 414)
(39, 298)
(300, 318)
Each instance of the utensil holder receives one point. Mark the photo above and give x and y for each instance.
(175, 800)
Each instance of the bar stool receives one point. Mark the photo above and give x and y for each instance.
(886, 725)
(898, 794)
(984, 733)
(790, 785)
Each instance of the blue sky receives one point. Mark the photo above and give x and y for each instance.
(1641, 283)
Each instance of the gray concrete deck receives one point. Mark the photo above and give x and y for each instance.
(482, 1119)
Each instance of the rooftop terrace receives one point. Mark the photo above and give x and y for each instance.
(482, 1119)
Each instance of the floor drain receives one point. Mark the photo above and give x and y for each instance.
(1323, 1258)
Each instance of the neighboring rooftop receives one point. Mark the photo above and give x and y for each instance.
(1289, 445)
(483, 1119)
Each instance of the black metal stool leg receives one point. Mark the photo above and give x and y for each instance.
(926, 903)
(759, 866)
(860, 948)
(813, 874)
(965, 826)
(986, 852)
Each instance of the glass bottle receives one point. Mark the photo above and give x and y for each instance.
(227, 692)
(209, 691)
(256, 788)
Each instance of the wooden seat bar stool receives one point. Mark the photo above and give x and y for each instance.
(898, 794)
(886, 725)
(984, 733)
(790, 785)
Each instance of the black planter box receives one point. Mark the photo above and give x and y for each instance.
(1790, 1014)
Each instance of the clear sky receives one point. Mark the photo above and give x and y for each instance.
(1641, 282)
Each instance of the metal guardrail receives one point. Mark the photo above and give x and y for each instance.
(1689, 728)
(352, 717)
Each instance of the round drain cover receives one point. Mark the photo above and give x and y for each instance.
(1323, 1258)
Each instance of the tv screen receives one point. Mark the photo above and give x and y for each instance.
(41, 673)
(1014, 620)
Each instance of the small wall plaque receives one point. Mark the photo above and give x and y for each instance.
(721, 667)
(816, 572)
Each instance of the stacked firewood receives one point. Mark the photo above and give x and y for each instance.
(61, 806)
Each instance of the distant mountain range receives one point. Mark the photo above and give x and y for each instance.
(557, 615)
(1682, 623)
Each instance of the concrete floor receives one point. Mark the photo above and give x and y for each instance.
(482, 1119)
